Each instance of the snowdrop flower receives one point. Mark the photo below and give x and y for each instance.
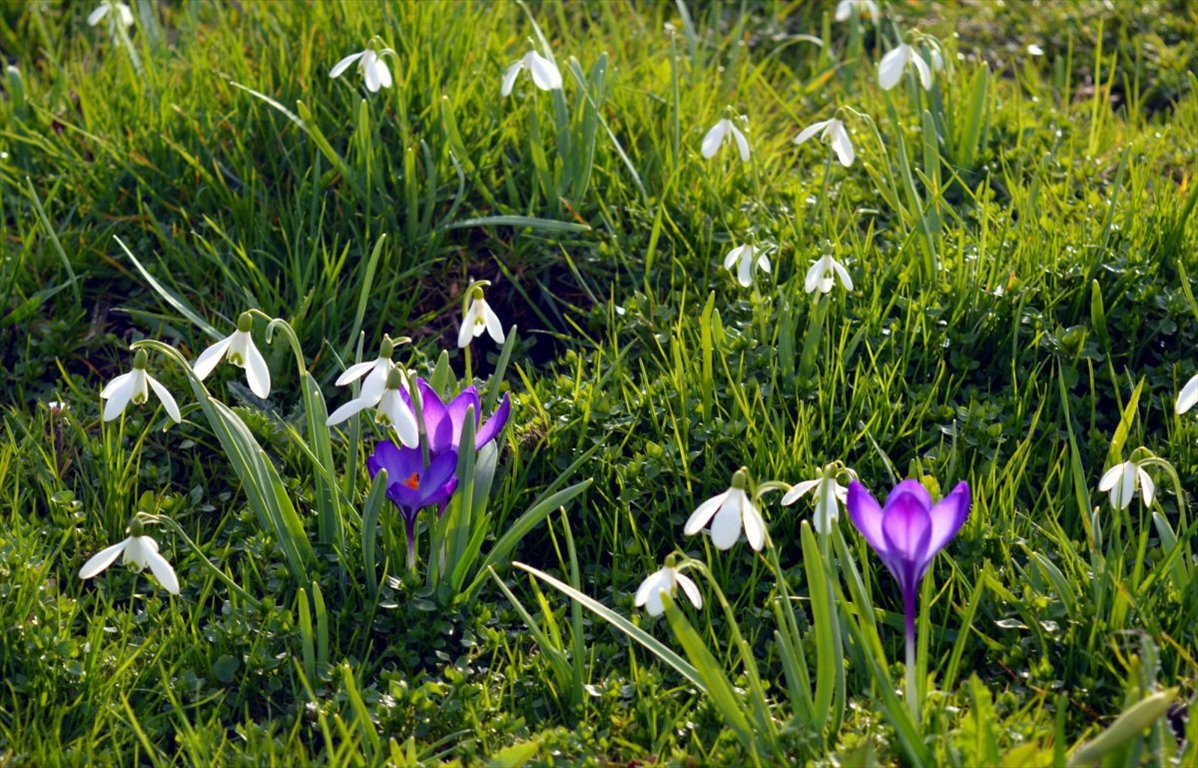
(544, 72)
(1121, 480)
(731, 510)
(823, 273)
(478, 317)
(845, 8)
(239, 349)
(716, 137)
(665, 582)
(134, 386)
(1188, 396)
(829, 495)
(390, 410)
(370, 64)
(742, 260)
(1034, 50)
(833, 132)
(375, 371)
(892, 65)
(139, 551)
(114, 9)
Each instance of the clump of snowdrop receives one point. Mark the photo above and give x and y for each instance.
(114, 12)
(543, 71)
(391, 409)
(823, 273)
(894, 63)
(239, 349)
(135, 387)
(666, 581)
(828, 492)
(477, 316)
(833, 133)
(1122, 481)
(375, 371)
(370, 63)
(140, 551)
(719, 135)
(846, 8)
(743, 260)
(730, 512)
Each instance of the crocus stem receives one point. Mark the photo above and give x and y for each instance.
(912, 699)
(410, 524)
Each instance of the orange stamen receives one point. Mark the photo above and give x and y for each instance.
(413, 481)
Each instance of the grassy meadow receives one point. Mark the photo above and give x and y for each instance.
(1021, 242)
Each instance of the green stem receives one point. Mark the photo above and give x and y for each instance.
(218, 573)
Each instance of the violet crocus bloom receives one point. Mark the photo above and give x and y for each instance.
(411, 485)
(907, 534)
(443, 423)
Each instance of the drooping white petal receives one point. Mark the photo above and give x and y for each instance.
(163, 571)
(702, 515)
(137, 553)
(509, 77)
(102, 559)
(814, 274)
(690, 588)
(839, 138)
(383, 72)
(355, 372)
(714, 138)
(1147, 487)
(651, 589)
(844, 9)
(1188, 397)
(798, 491)
(119, 396)
(843, 274)
(357, 405)
(340, 67)
(403, 421)
(763, 263)
(94, 18)
(725, 526)
(125, 13)
(206, 363)
(890, 68)
(469, 327)
(494, 327)
(1127, 485)
(741, 142)
(1110, 477)
(369, 72)
(256, 371)
(732, 256)
(744, 270)
(925, 74)
(753, 522)
(544, 72)
(168, 400)
(119, 382)
(810, 131)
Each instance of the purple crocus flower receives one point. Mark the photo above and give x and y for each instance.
(411, 485)
(443, 423)
(907, 534)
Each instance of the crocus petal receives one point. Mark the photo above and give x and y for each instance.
(1188, 396)
(112, 386)
(1147, 487)
(948, 515)
(439, 471)
(467, 399)
(754, 523)
(810, 131)
(690, 589)
(509, 78)
(495, 424)
(798, 491)
(357, 405)
(841, 144)
(911, 487)
(907, 529)
(494, 327)
(206, 363)
(700, 517)
(890, 68)
(925, 74)
(544, 72)
(437, 423)
(714, 138)
(102, 559)
(93, 19)
(866, 514)
(256, 371)
(340, 67)
(372, 76)
(843, 273)
(163, 571)
(355, 372)
(119, 396)
(168, 400)
(741, 142)
(397, 463)
(726, 525)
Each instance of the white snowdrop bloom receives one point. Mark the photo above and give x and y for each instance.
(1034, 50)
(665, 582)
(823, 273)
(140, 552)
(1188, 397)
(479, 317)
(894, 63)
(544, 73)
(743, 260)
(239, 349)
(1121, 481)
(829, 495)
(834, 134)
(116, 9)
(370, 63)
(375, 370)
(719, 133)
(845, 8)
(728, 513)
(390, 409)
(135, 387)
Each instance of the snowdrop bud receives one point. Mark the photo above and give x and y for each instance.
(140, 359)
(245, 322)
(394, 379)
(386, 348)
(136, 528)
(741, 479)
